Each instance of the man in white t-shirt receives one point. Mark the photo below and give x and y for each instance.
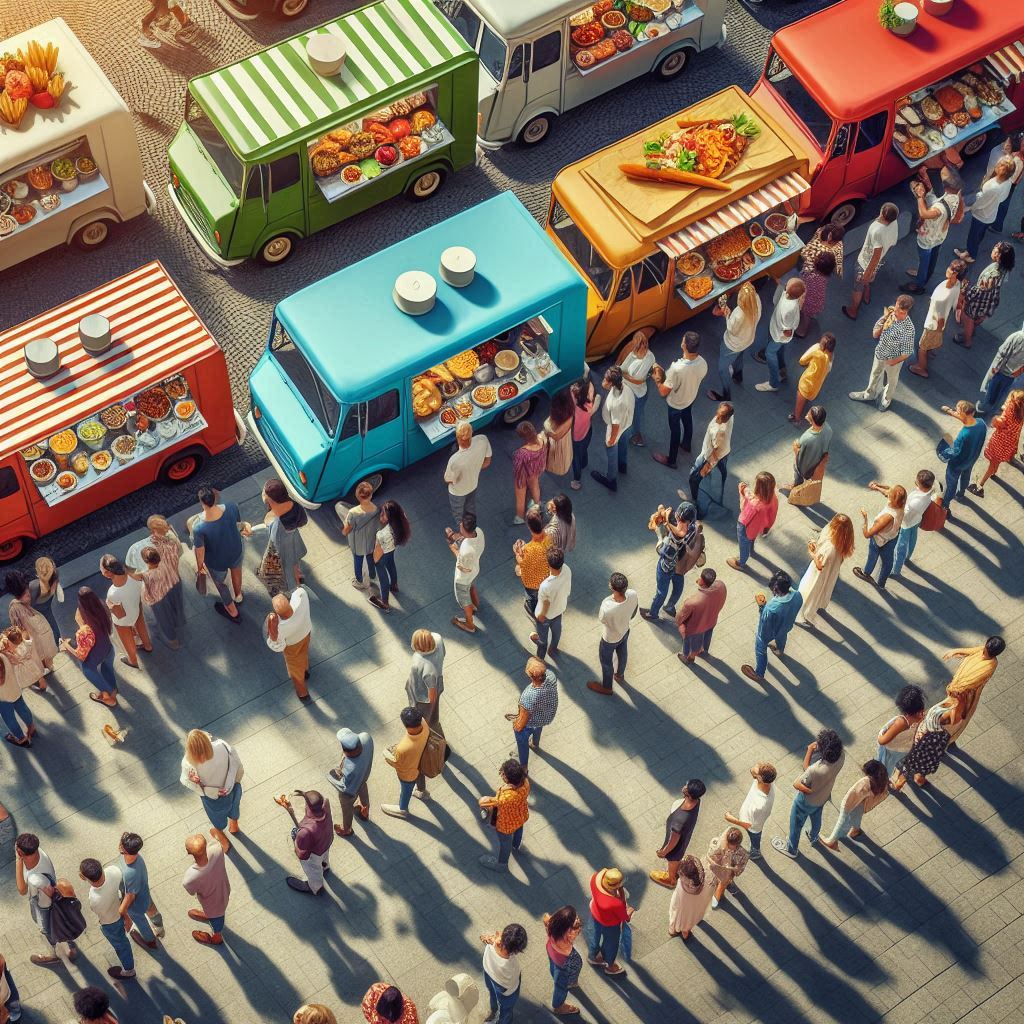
(288, 629)
(714, 452)
(105, 903)
(1017, 156)
(781, 326)
(616, 614)
(994, 189)
(757, 806)
(679, 386)
(36, 878)
(617, 412)
(467, 546)
(552, 600)
(462, 474)
(883, 234)
(918, 501)
(124, 599)
(940, 310)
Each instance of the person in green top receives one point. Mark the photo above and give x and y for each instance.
(812, 447)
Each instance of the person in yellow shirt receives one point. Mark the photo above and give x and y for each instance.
(510, 815)
(964, 689)
(532, 559)
(405, 759)
(818, 360)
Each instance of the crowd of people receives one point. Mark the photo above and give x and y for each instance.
(113, 634)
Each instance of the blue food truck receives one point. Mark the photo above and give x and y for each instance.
(351, 385)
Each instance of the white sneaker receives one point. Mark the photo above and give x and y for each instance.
(421, 794)
(764, 386)
(394, 811)
(884, 404)
(360, 584)
(860, 396)
(237, 598)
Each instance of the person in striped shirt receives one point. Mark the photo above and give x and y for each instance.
(896, 334)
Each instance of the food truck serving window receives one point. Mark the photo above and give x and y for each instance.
(490, 46)
(791, 89)
(582, 250)
(219, 151)
(308, 384)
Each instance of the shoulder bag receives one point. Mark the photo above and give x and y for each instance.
(934, 517)
(692, 555)
(433, 757)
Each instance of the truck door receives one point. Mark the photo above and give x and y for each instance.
(544, 82)
(272, 199)
(14, 514)
(650, 298)
(868, 149)
(618, 315)
(381, 427)
(511, 99)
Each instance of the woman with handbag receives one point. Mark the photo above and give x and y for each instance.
(676, 531)
(558, 431)
(93, 646)
(212, 769)
(561, 526)
(30, 617)
(564, 962)
(510, 813)
(283, 521)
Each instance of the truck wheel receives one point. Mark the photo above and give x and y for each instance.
(536, 130)
(671, 66)
(845, 214)
(276, 250)
(293, 8)
(91, 236)
(182, 467)
(514, 413)
(975, 145)
(426, 185)
(12, 549)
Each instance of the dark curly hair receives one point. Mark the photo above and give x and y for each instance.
(830, 746)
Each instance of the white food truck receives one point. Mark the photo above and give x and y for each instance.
(70, 172)
(541, 58)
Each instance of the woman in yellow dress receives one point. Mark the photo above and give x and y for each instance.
(976, 669)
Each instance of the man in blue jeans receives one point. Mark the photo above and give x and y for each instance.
(782, 324)
(105, 902)
(1005, 371)
(775, 620)
(502, 974)
(823, 762)
(617, 611)
(679, 386)
(961, 456)
(136, 902)
(538, 704)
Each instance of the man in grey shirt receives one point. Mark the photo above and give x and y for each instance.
(812, 447)
(1005, 371)
(823, 762)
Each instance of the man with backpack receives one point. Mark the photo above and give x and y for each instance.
(36, 878)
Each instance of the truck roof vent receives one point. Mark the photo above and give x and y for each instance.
(325, 53)
(94, 333)
(414, 292)
(458, 266)
(42, 357)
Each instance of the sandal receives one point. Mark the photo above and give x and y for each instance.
(23, 742)
(565, 1010)
(130, 664)
(463, 625)
(98, 698)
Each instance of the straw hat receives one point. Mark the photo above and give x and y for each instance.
(610, 879)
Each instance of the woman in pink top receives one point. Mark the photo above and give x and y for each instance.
(586, 405)
(757, 515)
(563, 928)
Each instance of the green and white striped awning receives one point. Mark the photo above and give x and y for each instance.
(275, 98)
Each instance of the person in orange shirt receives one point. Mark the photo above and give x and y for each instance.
(511, 813)
(405, 759)
(532, 559)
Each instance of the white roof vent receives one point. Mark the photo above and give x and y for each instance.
(414, 292)
(326, 53)
(42, 357)
(458, 266)
(94, 333)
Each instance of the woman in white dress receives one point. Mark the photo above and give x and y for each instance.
(29, 621)
(833, 546)
(690, 898)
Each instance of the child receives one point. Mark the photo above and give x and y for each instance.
(818, 360)
(27, 667)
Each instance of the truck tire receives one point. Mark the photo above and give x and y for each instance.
(182, 466)
(514, 413)
(845, 214)
(91, 236)
(975, 145)
(536, 130)
(293, 8)
(426, 185)
(274, 251)
(671, 66)
(12, 549)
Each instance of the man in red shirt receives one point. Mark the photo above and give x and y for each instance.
(610, 911)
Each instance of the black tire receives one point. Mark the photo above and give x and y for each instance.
(13, 549)
(974, 146)
(426, 185)
(91, 236)
(671, 66)
(845, 214)
(292, 8)
(277, 250)
(536, 130)
(182, 466)
(520, 411)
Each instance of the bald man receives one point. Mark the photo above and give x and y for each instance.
(207, 879)
(288, 629)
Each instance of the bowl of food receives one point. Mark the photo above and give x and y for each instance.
(167, 428)
(91, 433)
(613, 20)
(506, 361)
(49, 201)
(8, 225)
(101, 461)
(485, 396)
(64, 171)
(42, 471)
(80, 464)
(690, 264)
(33, 452)
(782, 240)
(698, 287)
(62, 444)
(507, 391)
(154, 404)
(176, 388)
(16, 189)
(40, 178)
(114, 417)
(185, 410)
(755, 229)
(448, 417)
(86, 167)
(776, 222)
(124, 448)
(763, 246)
(67, 481)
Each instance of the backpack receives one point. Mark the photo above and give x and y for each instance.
(692, 554)
(934, 517)
(67, 921)
(433, 757)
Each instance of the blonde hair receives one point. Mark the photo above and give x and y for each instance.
(464, 429)
(747, 300)
(314, 1013)
(46, 571)
(423, 641)
(198, 747)
(536, 669)
(160, 524)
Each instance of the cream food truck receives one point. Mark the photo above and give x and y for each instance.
(541, 58)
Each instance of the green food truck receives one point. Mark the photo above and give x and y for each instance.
(321, 127)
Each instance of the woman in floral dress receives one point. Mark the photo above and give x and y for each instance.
(980, 300)
(930, 743)
(1002, 445)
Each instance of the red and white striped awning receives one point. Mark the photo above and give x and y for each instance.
(156, 334)
(789, 186)
(1008, 63)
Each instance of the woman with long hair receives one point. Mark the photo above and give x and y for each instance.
(564, 962)
(690, 898)
(863, 796)
(586, 401)
(930, 743)
(834, 545)
(45, 588)
(740, 329)
(558, 432)
(394, 532)
(528, 462)
(882, 533)
(980, 300)
(26, 614)
(1002, 445)
(561, 527)
(12, 701)
(636, 360)
(211, 768)
(727, 860)
(757, 516)
(816, 276)
(93, 647)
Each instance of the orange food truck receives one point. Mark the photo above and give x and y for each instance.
(869, 107)
(654, 254)
(103, 395)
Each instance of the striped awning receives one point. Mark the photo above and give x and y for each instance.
(156, 333)
(789, 186)
(1008, 63)
(275, 97)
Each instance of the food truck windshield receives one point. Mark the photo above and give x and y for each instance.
(490, 47)
(315, 393)
(791, 90)
(206, 132)
(582, 250)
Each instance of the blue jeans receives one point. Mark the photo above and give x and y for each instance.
(357, 563)
(501, 1004)
(638, 415)
(679, 418)
(956, 483)
(884, 555)
(975, 233)
(122, 945)
(775, 355)
(994, 393)
(760, 654)
(142, 903)
(605, 653)
(668, 584)
(14, 1003)
(523, 741)
(405, 793)
(727, 358)
(926, 260)
(746, 544)
(617, 456)
(997, 224)
(755, 844)
(548, 630)
(217, 924)
(800, 812)
(387, 575)
(906, 541)
(8, 710)
(580, 456)
(846, 821)
(507, 842)
(695, 477)
(607, 944)
(560, 976)
(102, 676)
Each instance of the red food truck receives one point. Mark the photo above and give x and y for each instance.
(869, 107)
(103, 395)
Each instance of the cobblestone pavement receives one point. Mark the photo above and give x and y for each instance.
(919, 921)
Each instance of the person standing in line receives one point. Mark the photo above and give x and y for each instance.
(964, 689)
(288, 629)
(207, 879)
(930, 743)
(679, 826)
(934, 217)
(818, 360)
(610, 912)
(882, 235)
(104, 902)
(36, 878)
(564, 962)
(586, 401)
(312, 838)
(1006, 367)
(757, 516)
(529, 461)
(740, 329)
(44, 589)
(12, 702)
(1013, 149)
(981, 299)
(405, 759)
(815, 276)
(690, 898)
(881, 533)
(811, 448)
(895, 333)
(462, 474)
(558, 433)
(994, 189)
(944, 301)
(783, 323)
(679, 540)
(552, 600)
(93, 648)
(92, 1005)
(918, 501)
(124, 599)
(727, 859)
(896, 737)
(834, 545)
(468, 547)
(680, 385)
(775, 620)
(394, 532)
(162, 591)
(617, 412)
(217, 544)
(636, 360)
(714, 452)
(385, 1004)
(538, 704)
(502, 974)
(136, 901)
(212, 769)
(25, 617)
(1002, 445)
(961, 456)
(561, 525)
(511, 812)
(827, 240)
(283, 521)
(757, 806)
(698, 616)
(863, 796)
(532, 560)
(616, 613)
(351, 777)
(360, 523)
(425, 684)
(823, 761)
